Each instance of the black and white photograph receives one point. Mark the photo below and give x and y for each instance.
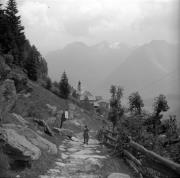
(89, 88)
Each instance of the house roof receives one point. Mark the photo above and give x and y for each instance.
(87, 94)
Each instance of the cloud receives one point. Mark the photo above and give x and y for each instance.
(52, 24)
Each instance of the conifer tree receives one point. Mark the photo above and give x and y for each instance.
(15, 34)
(48, 83)
(32, 64)
(3, 29)
(64, 86)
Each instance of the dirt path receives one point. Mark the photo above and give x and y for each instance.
(80, 161)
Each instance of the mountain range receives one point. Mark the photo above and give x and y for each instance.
(104, 64)
(151, 69)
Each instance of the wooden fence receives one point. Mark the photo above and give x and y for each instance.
(142, 159)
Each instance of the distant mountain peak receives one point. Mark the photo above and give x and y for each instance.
(76, 44)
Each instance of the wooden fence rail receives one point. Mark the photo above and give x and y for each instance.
(149, 159)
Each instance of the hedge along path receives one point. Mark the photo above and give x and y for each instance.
(77, 160)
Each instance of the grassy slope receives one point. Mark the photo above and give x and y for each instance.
(37, 103)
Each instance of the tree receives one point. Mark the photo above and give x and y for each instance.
(116, 110)
(48, 83)
(135, 103)
(64, 86)
(15, 34)
(32, 64)
(79, 87)
(160, 105)
(3, 30)
(79, 90)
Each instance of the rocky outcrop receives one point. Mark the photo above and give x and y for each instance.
(42, 123)
(33, 137)
(20, 80)
(118, 175)
(17, 146)
(7, 96)
(38, 141)
(20, 119)
(63, 132)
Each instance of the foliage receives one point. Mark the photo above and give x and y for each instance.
(15, 34)
(135, 103)
(32, 64)
(75, 94)
(160, 104)
(79, 87)
(48, 83)
(14, 45)
(64, 86)
(116, 110)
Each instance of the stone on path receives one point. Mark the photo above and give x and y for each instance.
(118, 175)
(18, 146)
(65, 132)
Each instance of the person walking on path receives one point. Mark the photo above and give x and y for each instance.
(62, 119)
(86, 135)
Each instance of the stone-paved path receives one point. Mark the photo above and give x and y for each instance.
(78, 160)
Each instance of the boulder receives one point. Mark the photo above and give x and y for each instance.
(42, 123)
(20, 119)
(118, 175)
(92, 164)
(7, 96)
(34, 138)
(38, 141)
(20, 80)
(64, 132)
(17, 146)
(52, 109)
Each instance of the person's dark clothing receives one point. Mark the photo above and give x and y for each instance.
(62, 119)
(86, 135)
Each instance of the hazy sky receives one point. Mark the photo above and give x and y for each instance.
(51, 24)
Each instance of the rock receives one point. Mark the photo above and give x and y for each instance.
(118, 175)
(92, 164)
(52, 109)
(20, 79)
(27, 95)
(65, 132)
(39, 141)
(34, 138)
(7, 96)
(17, 146)
(42, 123)
(20, 119)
